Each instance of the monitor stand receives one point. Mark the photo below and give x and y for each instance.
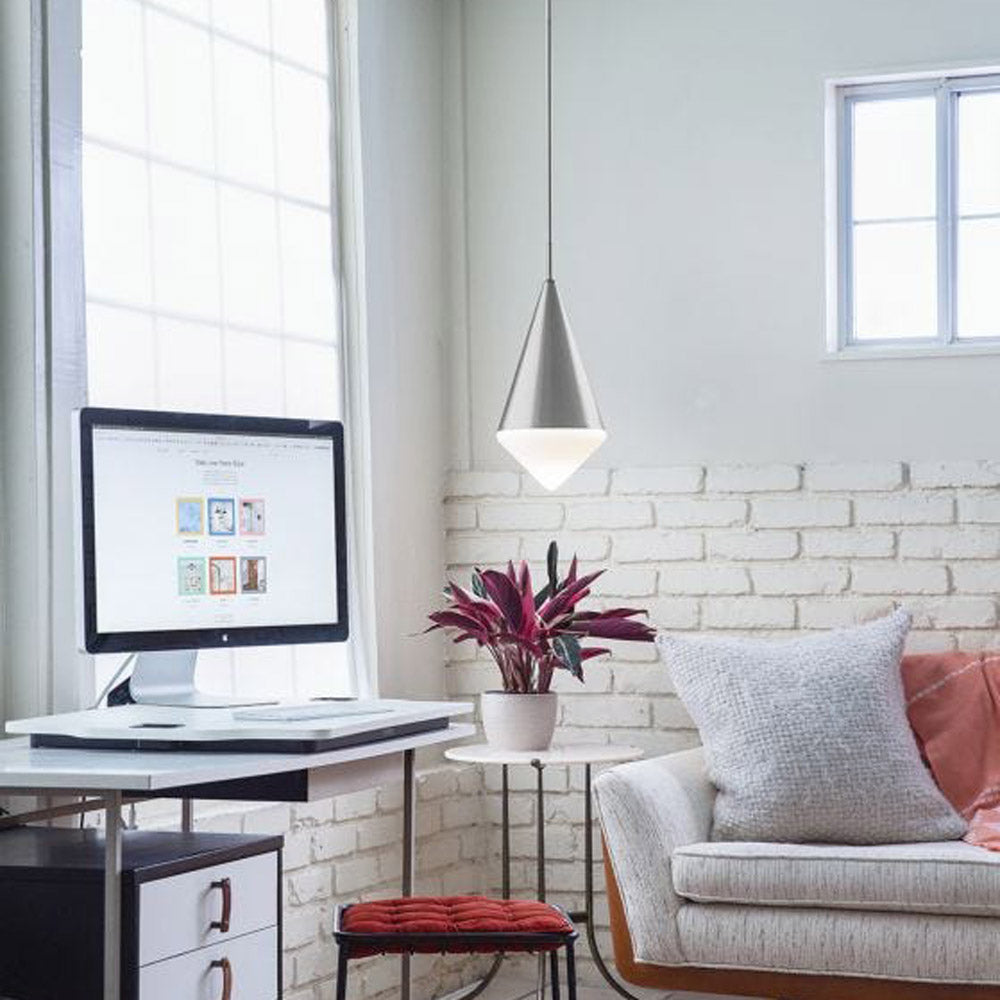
(167, 678)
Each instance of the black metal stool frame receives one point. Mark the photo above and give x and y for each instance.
(457, 943)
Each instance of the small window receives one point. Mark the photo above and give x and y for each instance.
(915, 255)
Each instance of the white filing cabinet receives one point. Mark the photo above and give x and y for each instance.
(201, 916)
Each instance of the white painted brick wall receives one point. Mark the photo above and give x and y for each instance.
(679, 479)
(857, 477)
(864, 544)
(800, 578)
(801, 512)
(483, 484)
(610, 514)
(905, 508)
(587, 545)
(939, 475)
(949, 543)
(657, 546)
(979, 508)
(752, 545)
(629, 581)
(704, 578)
(900, 578)
(752, 478)
(748, 613)
(701, 513)
(459, 515)
(765, 550)
(520, 516)
(976, 577)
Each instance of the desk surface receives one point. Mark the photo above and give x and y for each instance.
(23, 768)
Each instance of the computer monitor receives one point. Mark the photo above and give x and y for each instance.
(201, 531)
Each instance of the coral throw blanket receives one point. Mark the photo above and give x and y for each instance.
(953, 702)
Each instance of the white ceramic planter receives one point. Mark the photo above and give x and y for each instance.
(519, 721)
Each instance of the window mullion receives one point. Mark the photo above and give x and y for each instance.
(946, 181)
(845, 223)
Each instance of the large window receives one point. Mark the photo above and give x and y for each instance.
(208, 235)
(916, 250)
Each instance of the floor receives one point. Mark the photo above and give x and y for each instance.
(521, 989)
(512, 988)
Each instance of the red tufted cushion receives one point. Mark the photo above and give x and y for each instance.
(453, 922)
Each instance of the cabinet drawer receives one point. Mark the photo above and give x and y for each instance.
(253, 965)
(176, 914)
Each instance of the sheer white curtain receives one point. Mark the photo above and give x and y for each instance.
(40, 371)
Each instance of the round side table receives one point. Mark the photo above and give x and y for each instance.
(577, 754)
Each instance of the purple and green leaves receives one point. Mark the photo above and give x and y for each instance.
(531, 635)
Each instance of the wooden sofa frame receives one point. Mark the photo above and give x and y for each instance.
(776, 985)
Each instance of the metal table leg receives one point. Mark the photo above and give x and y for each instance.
(540, 858)
(588, 853)
(187, 816)
(494, 968)
(540, 827)
(112, 894)
(409, 835)
(505, 841)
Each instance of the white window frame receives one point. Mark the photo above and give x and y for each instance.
(841, 96)
(61, 333)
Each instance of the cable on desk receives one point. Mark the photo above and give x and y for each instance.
(114, 680)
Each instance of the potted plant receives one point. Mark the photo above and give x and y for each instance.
(530, 636)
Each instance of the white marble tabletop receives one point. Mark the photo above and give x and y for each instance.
(573, 753)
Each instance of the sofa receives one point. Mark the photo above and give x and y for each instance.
(916, 921)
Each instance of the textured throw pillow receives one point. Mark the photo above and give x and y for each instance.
(953, 702)
(807, 740)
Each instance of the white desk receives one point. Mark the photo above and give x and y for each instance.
(110, 774)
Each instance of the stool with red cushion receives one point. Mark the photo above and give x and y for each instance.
(452, 925)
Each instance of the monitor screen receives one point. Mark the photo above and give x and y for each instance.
(210, 531)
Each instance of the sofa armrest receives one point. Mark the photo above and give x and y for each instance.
(647, 810)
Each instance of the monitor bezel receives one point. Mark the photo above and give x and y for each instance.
(95, 641)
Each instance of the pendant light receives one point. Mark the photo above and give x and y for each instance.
(550, 423)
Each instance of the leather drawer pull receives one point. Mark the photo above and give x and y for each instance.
(222, 924)
(227, 976)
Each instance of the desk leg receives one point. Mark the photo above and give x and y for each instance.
(187, 815)
(409, 837)
(112, 894)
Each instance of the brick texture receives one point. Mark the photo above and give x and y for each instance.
(762, 550)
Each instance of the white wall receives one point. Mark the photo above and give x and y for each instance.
(401, 57)
(689, 214)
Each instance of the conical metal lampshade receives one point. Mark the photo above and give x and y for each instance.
(551, 423)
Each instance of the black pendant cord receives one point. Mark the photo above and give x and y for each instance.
(548, 126)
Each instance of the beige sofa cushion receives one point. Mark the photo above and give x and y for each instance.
(904, 946)
(949, 877)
